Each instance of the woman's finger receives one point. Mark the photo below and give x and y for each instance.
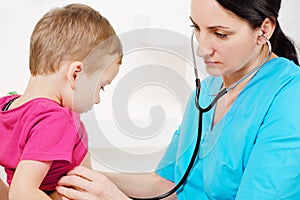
(70, 193)
(75, 182)
(85, 184)
(84, 173)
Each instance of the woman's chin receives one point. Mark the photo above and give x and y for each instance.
(213, 71)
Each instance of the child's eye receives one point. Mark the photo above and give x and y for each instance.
(221, 35)
(102, 88)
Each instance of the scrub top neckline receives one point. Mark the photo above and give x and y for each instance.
(212, 134)
(238, 99)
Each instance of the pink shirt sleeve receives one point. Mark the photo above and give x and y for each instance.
(53, 137)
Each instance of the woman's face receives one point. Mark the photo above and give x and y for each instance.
(227, 44)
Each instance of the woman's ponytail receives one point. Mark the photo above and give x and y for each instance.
(282, 45)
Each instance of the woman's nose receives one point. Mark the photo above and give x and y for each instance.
(204, 48)
(97, 99)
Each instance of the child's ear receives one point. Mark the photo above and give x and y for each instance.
(72, 73)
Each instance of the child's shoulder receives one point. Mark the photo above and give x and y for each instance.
(40, 108)
(7, 98)
(47, 107)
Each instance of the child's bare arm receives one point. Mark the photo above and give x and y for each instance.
(87, 161)
(27, 180)
(3, 190)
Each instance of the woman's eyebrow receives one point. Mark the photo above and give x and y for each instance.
(218, 27)
(211, 27)
(192, 21)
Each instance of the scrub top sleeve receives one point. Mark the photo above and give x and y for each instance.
(273, 168)
(166, 166)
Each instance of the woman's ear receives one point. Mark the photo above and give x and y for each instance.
(72, 72)
(266, 30)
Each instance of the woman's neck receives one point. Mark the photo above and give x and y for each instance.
(230, 79)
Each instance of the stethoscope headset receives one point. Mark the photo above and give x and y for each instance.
(204, 110)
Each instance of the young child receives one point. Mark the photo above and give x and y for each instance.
(74, 53)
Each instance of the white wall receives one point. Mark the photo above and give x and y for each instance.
(18, 17)
(17, 20)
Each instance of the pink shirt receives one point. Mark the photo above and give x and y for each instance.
(41, 130)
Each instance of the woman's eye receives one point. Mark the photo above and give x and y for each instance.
(195, 27)
(221, 35)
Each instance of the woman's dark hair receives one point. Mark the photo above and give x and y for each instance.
(255, 12)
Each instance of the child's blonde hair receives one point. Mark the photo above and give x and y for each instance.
(69, 34)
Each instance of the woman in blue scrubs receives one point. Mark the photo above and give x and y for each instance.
(250, 146)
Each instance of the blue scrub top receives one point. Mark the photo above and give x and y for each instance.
(253, 152)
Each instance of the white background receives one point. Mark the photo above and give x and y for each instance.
(18, 18)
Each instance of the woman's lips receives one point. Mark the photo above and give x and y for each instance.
(211, 63)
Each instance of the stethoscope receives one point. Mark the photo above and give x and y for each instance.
(204, 110)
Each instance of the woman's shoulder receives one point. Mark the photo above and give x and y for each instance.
(275, 74)
(283, 66)
(283, 71)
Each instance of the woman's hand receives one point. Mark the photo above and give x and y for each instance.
(85, 184)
